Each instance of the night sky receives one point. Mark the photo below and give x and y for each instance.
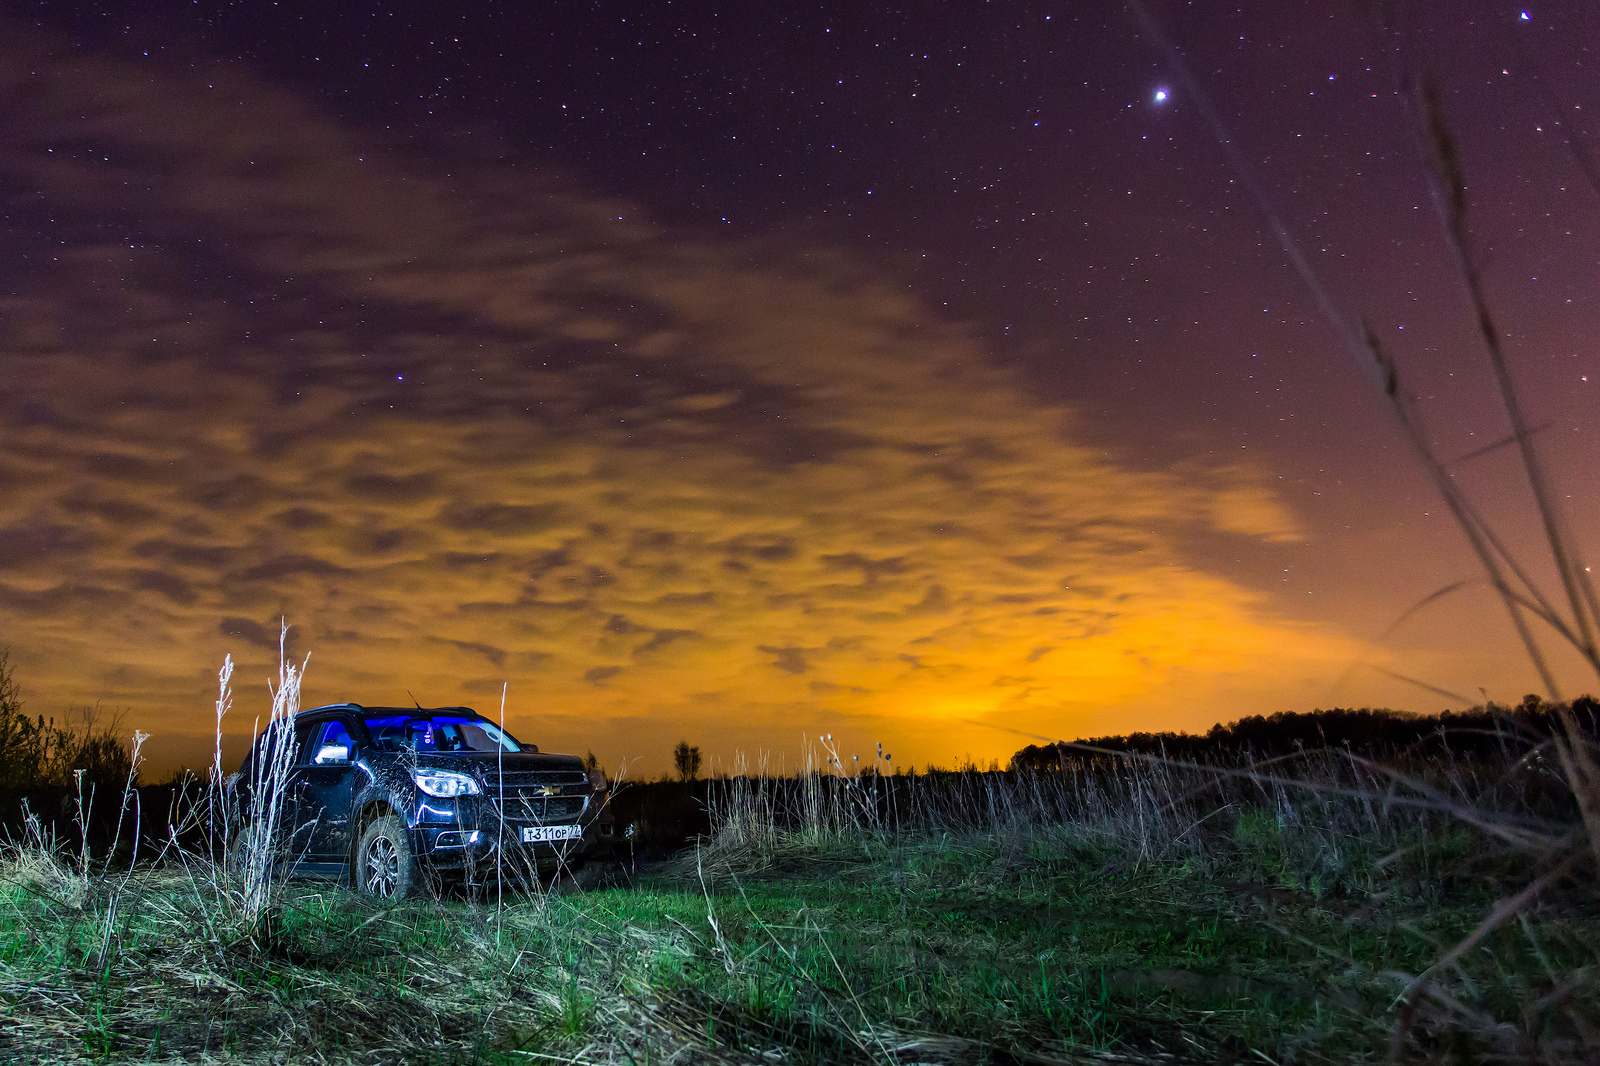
(912, 373)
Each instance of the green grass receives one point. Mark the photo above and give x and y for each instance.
(1021, 945)
(1051, 956)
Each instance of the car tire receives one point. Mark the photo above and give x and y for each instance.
(233, 860)
(237, 862)
(385, 865)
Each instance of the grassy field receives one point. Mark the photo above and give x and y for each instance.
(1155, 916)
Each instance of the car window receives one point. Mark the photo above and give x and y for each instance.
(302, 738)
(264, 750)
(439, 733)
(326, 740)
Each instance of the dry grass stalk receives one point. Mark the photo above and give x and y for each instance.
(1575, 617)
(258, 845)
(34, 864)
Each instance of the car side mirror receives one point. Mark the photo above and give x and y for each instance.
(332, 753)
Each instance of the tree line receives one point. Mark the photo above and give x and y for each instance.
(1370, 732)
(37, 753)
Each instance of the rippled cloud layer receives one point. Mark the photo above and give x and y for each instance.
(467, 426)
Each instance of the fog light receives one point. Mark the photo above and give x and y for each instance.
(457, 840)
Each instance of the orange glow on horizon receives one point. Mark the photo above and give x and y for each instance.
(659, 485)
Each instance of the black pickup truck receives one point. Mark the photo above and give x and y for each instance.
(393, 798)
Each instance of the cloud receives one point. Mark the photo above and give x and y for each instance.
(282, 566)
(248, 631)
(499, 518)
(294, 370)
(662, 638)
(789, 660)
(496, 656)
(391, 488)
(171, 586)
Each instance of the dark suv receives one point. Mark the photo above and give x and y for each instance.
(389, 796)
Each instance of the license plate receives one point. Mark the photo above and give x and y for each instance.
(543, 834)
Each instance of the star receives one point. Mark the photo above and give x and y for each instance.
(1160, 96)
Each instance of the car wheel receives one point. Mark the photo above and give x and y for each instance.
(385, 865)
(243, 853)
(233, 857)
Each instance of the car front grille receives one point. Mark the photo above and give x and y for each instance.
(554, 810)
(527, 781)
(538, 797)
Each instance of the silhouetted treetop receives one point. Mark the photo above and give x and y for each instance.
(1373, 732)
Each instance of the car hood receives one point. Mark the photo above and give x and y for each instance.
(480, 763)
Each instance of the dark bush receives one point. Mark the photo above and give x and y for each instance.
(41, 762)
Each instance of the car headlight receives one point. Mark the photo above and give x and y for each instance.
(445, 784)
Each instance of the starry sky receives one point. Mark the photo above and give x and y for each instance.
(916, 374)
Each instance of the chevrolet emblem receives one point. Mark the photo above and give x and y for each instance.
(547, 790)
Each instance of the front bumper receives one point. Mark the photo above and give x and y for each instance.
(467, 837)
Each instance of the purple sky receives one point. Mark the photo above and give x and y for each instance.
(919, 376)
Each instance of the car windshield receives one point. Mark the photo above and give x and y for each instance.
(440, 732)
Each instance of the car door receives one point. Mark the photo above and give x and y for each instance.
(325, 792)
(291, 835)
(264, 798)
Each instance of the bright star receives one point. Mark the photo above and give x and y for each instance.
(1160, 96)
